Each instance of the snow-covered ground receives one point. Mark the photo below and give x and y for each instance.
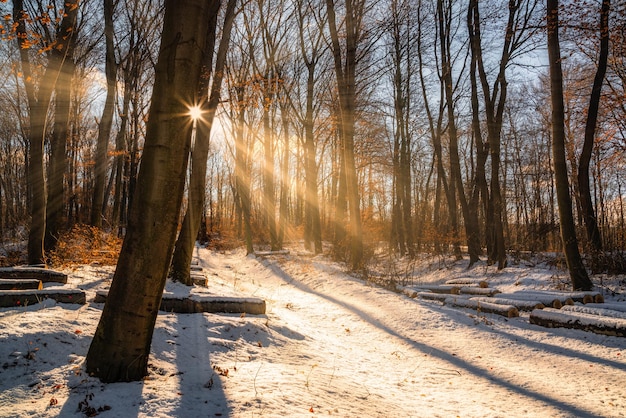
(329, 345)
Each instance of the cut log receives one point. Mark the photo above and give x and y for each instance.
(467, 281)
(12, 298)
(20, 284)
(410, 293)
(213, 304)
(479, 291)
(199, 280)
(504, 310)
(442, 288)
(553, 318)
(441, 297)
(615, 306)
(33, 273)
(581, 296)
(198, 304)
(195, 268)
(586, 309)
(269, 253)
(521, 305)
(546, 299)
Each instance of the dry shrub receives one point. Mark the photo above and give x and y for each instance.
(85, 244)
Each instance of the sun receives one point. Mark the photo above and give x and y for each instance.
(195, 112)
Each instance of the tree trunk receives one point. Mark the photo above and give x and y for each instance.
(578, 274)
(38, 104)
(121, 344)
(183, 250)
(584, 190)
(58, 160)
(346, 86)
(106, 122)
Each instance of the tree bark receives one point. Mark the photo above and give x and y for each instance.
(183, 250)
(345, 72)
(106, 121)
(578, 274)
(121, 344)
(38, 104)
(57, 165)
(586, 203)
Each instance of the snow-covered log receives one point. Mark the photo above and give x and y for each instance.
(544, 298)
(594, 311)
(580, 296)
(521, 305)
(198, 304)
(213, 304)
(20, 284)
(468, 281)
(554, 318)
(478, 291)
(615, 306)
(33, 273)
(269, 253)
(12, 298)
(505, 310)
(441, 297)
(440, 288)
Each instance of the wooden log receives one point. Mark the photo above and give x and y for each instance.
(615, 306)
(269, 253)
(504, 310)
(553, 318)
(213, 304)
(195, 268)
(521, 305)
(11, 298)
(198, 304)
(33, 273)
(440, 288)
(546, 299)
(580, 296)
(441, 297)
(20, 284)
(467, 281)
(200, 281)
(586, 309)
(479, 291)
(410, 293)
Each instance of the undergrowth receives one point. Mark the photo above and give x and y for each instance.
(84, 244)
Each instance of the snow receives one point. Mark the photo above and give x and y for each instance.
(329, 345)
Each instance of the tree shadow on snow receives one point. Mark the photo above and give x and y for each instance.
(431, 351)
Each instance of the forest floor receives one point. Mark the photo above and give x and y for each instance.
(329, 345)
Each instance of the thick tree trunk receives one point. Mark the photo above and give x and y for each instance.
(584, 190)
(578, 274)
(121, 344)
(106, 122)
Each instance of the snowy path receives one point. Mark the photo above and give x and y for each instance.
(329, 345)
(356, 350)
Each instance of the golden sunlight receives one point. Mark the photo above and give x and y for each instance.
(195, 112)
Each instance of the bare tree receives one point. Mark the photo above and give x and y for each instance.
(345, 72)
(584, 189)
(121, 344)
(578, 274)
